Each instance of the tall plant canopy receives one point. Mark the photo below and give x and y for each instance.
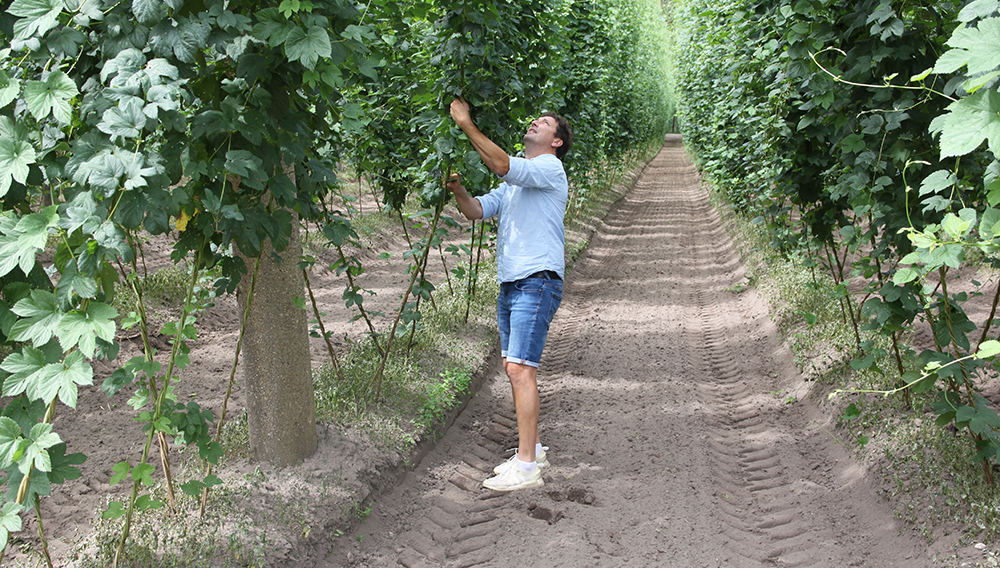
(219, 125)
(865, 138)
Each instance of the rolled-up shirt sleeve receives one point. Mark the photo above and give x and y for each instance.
(543, 173)
(491, 201)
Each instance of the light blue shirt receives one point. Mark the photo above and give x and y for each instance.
(529, 205)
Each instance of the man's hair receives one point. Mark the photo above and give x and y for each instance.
(563, 133)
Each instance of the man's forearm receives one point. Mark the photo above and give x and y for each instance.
(468, 205)
(493, 156)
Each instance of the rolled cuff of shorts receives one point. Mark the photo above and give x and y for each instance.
(503, 355)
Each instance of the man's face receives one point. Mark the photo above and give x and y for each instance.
(542, 131)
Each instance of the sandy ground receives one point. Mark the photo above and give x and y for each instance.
(670, 441)
(664, 388)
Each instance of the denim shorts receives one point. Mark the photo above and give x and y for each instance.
(524, 311)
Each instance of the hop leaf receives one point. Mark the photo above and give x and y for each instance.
(16, 153)
(9, 88)
(149, 11)
(937, 181)
(36, 453)
(125, 120)
(79, 328)
(22, 368)
(307, 46)
(978, 9)
(970, 121)
(51, 96)
(38, 16)
(975, 47)
(987, 349)
(22, 238)
(32, 374)
(10, 522)
(11, 442)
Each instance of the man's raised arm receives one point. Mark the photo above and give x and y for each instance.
(495, 158)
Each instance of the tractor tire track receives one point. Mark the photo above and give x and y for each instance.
(672, 441)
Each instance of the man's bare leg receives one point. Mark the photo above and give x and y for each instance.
(524, 385)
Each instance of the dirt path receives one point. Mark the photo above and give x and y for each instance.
(664, 404)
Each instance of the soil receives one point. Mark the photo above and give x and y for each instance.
(664, 409)
(664, 400)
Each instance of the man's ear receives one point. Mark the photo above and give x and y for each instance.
(557, 142)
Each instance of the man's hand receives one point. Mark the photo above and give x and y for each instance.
(460, 112)
(454, 183)
(468, 205)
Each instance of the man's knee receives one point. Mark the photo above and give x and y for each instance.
(520, 374)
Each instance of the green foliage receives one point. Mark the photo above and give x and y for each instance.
(729, 114)
(124, 116)
(856, 132)
(599, 63)
(441, 396)
(511, 61)
(213, 124)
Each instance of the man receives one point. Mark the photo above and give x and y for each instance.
(529, 205)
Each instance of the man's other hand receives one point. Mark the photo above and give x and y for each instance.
(454, 182)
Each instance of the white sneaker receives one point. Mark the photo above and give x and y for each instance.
(540, 458)
(512, 479)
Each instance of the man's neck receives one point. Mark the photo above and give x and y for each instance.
(530, 153)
